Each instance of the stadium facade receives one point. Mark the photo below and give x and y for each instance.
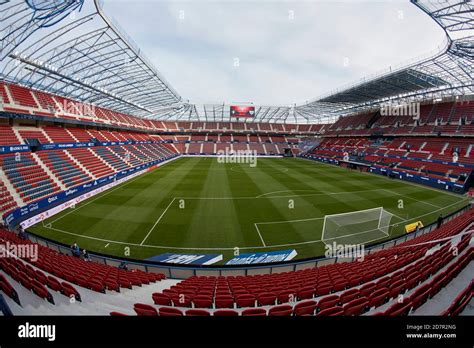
(83, 110)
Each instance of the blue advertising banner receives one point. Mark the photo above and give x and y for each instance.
(457, 164)
(113, 143)
(65, 146)
(37, 207)
(420, 179)
(265, 257)
(187, 259)
(14, 148)
(425, 180)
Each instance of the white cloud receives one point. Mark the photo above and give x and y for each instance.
(282, 60)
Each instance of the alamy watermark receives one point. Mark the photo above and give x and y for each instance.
(37, 331)
(401, 109)
(239, 156)
(355, 251)
(20, 251)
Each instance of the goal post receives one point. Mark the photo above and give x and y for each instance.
(357, 227)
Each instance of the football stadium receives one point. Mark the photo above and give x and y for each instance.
(120, 197)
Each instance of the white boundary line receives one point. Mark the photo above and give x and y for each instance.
(157, 221)
(229, 198)
(288, 221)
(414, 199)
(261, 238)
(219, 248)
(105, 193)
(263, 196)
(320, 218)
(251, 247)
(381, 177)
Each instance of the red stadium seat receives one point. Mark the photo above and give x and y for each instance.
(306, 293)
(224, 302)
(282, 310)
(170, 312)
(328, 302)
(349, 295)
(112, 286)
(182, 300)
(420, 296)
(54, 284)
(145, 310)
(201, 301)
(254, 312)
(225, 313)
(399, 308)
(246, 300)
(379, 297)
(333, 311)
(357, 306)
(266, 299)
(161, 299)
(197, 313)
(305, 308)
(8, 289)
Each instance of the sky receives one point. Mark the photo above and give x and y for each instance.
(273, 52)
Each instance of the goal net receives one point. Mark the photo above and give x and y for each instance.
(357, 227)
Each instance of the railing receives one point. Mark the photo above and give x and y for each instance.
(184, 271)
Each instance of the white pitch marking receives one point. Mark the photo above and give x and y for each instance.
(107, 245)
(320, 218)
(157, 221)
(243, 171)
(319, 193)
(105, 193)
(288, 221)
(414, 199)
(226, 248)
(261, 238)
(381, 177)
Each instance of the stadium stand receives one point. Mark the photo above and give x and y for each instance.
(90, 275)
(418, 267)
(370, 287)
(28, 178)
(430, 156)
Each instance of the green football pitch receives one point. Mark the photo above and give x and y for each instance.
(198, 205)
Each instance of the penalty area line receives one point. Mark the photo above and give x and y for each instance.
(157, 221)
(260, 235)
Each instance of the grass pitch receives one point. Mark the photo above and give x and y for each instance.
(198, 205)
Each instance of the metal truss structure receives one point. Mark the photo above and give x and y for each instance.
(221, 112)
(447, 74)
(71, 48)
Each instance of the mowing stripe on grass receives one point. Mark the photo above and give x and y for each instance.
(107, 192)
(157, 221)
(222, 207)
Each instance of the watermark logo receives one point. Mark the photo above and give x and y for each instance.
(37, 331)
(20, 251)
(401, 109)
(70, 107)
(356, 251)
(240, 156)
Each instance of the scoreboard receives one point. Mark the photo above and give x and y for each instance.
(242, 111)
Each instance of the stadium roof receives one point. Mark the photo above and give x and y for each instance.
(448, 73)
(71, 48)
(404, 81)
